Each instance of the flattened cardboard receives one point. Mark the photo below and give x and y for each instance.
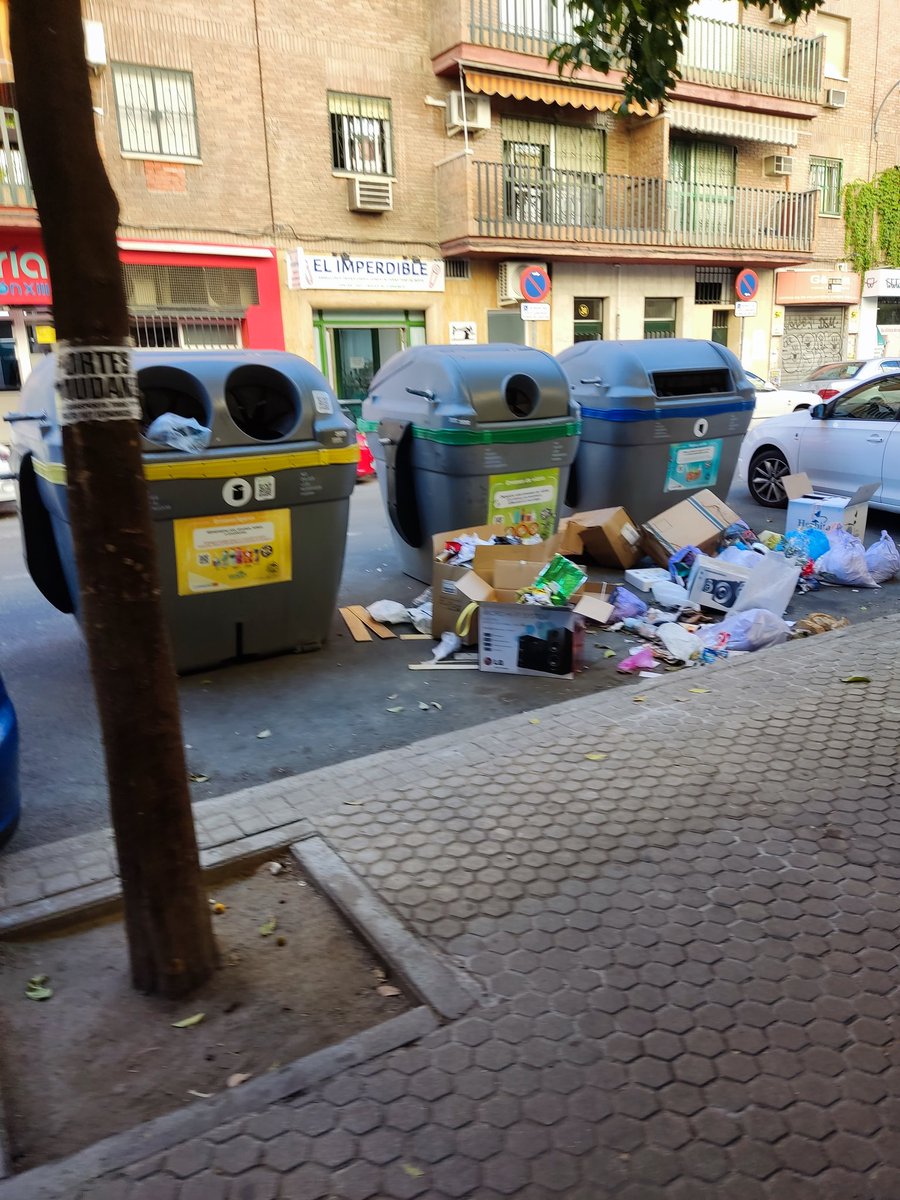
(697, 521)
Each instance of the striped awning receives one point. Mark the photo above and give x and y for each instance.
(518, 87)
(729, 122)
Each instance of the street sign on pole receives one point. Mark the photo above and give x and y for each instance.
(534, 284)
(535, 312)
(746, 285)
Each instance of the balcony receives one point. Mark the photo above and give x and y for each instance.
(496, 208)
(746, 58)
(15, 184)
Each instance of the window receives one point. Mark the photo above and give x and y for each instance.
(841, 370)
(553, 174)
(588, 325)
(837, 44)
(156, 111)
(826, 174)
(873, 402)
(709, 283)
(360, 134)
(659, 318)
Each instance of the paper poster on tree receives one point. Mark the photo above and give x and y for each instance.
(524, 503)
(217, 554)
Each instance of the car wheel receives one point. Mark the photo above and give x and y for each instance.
(767, 467)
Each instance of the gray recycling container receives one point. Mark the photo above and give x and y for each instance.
(661, 419)
(250, 531)
(468, 436)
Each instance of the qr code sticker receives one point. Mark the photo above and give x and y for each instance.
(202, 560)
(264, 487)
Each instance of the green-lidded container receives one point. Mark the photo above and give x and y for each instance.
(469, 436)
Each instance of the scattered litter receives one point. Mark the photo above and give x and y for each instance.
(237, 1079)
(699, 691)
(264, 733)
(195, 777)
(424, 707)
(534, 720)
(189, 1022)
(640, 659)
(395, 708)
(681, 645)
(609, 653)
(393, 696)
(845, 561)
(387, 612)
(648, 674)
(638, 699)
(413, 1172)
(435, 704)
(179, 433)
(856, 679)
(388, 989)
(415, 637)
(753, 629)
(443, 666)
(449, 644)
(358, 629)
(36, 988)
(883, 558)
(280, 941)
(218, 907)
(596, 757)
(275, 868)
(268, 928)
(421, 618)
(626, 604)
(818, 622)
(200, 1095)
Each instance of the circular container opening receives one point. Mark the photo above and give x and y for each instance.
(522, 395)
(170, 390)
(263, 403)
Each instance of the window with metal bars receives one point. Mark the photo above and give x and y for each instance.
(156, 111)
(360, 134)
(827, 174)
(457, 268)
(151, 287)
(710, 283)
(193, 332)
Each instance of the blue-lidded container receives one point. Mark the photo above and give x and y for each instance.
(10, 801)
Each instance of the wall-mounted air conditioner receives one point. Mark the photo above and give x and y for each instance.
(95, 45)
(370, 195)
(477, 109)
(777, 15)
(508, 276)
(778, 165)
(836, 97)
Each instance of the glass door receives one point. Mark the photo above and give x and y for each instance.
(358, 354)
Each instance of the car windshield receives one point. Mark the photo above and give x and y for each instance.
(841, 370)
(758, 383)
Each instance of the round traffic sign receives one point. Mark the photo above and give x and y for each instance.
(746, 285)
(534, 283)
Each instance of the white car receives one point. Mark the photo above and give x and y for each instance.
(774, 402)
(848, 441)
(7, 478)
(833, 379)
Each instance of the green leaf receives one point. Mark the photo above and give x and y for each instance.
(596, 757)
(413, 1172)
(856, 679)
(35, 988)
(269, 928)
(188, 1022)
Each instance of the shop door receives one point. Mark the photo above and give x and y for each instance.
(812, 337)
(358, 354)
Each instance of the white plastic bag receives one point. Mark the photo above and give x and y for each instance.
(751, 630)
(883, 558)
(741, 558)
(388, 612)
(845, 561)
(771, 585)
(668, 594)
(181, 433)
(680, 642)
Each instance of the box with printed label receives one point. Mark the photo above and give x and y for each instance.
(526, 639)
(716, 585)
(698, 521)
(812, 508)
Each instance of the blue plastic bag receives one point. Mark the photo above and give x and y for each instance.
(626, 604)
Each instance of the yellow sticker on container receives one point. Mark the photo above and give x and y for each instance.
(220, 554)
(44, 335)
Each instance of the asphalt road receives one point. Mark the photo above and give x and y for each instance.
(321, 708)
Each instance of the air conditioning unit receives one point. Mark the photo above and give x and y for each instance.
(477, 112)
(370, 195)
(836, 98)
(94, 45)
(778, 164)
(508, 276)
(777, 15)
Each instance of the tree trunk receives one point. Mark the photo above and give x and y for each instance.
(167, 915)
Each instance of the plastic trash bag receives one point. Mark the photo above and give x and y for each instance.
(751, 630)
(681, 561)
(420, 617)
(883, 558)
(771, 585)
(180, 433)
(741, 557)
(680, 642)
(806, 543)
(388, 612)
(668, 594)
(626, 604)
(641, 659)
(845, 561)
(447, 646)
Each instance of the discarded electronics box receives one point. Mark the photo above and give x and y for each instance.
(716, 585)
(529, 639)
(608, 536)
(812, 508)
(730, 587)
(698, 521)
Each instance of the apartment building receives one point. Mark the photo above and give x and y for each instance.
(348, 181)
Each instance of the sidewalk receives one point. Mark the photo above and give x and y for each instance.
(687, 952)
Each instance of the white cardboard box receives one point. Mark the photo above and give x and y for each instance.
(716, 585)
(811, 508)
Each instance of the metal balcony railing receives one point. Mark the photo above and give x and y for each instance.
(15, 184)
(747, 58)
(543, 204)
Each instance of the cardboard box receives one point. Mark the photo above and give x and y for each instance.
(447, 601)
(716, 585)
(811, 508)
(607, 536)
(697, 521)
(526, 639)
(642, 579)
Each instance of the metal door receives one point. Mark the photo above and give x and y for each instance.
(812, 337)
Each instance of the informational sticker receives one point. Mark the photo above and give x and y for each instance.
(524, 503)
(693, 465)
(323, 403)
(463, 331)
(264, 487)
(220, 554)
(95, 383)
(237, 492)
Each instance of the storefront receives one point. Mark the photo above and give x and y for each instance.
(350, 313)
(879, 317)
(815, 319)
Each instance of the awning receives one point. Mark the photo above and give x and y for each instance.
(518, 87)
(749, 126)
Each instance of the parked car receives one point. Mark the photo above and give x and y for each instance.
(9, 767)
(835, 378)
(774, 402)
(845, 442)
(7, 478)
